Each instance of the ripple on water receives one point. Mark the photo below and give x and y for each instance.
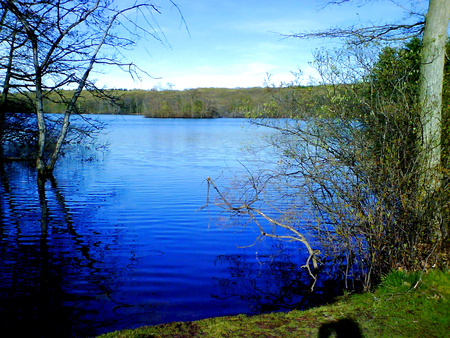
(122, 242)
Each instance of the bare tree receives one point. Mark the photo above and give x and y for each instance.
(65, 39)
(433, 28)
(11, 65)
(357, 155)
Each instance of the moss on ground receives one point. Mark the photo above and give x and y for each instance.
(405, 304)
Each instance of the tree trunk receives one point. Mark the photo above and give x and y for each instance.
(5, 92)
(75, 96)
(39, 96)
(432, 72)
(39, 103)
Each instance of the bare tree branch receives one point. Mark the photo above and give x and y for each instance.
(247, 208)
(388, 32)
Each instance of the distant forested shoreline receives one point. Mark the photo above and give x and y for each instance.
(191, 103)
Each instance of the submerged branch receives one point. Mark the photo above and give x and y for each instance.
(245, 208)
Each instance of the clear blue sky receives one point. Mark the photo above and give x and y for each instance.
(234, 43)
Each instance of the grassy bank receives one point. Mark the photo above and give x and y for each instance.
(407, 305)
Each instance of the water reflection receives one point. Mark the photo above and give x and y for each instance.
(42, 253)
(32, 275)
(118, 242)
(275, 282)
(63, 214)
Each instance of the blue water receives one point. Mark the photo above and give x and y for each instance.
(119, 240)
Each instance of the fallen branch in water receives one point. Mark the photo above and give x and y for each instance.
(246, 208)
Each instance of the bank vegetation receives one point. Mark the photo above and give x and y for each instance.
(189, 103)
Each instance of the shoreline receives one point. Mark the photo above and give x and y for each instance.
(404, 304)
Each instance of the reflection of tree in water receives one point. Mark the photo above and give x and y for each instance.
(43, 253)
(275, 282)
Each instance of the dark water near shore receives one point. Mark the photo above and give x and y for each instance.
(118, 241)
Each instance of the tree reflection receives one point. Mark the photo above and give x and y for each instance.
(63, 214)
(30, 292)
(44, 251)
(275, 281)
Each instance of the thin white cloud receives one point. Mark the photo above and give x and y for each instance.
(233, 43)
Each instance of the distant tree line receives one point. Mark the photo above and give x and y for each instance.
(192, 103)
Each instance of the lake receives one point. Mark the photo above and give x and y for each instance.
(118, 240)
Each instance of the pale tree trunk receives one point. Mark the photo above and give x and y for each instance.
(42, 132)
(39, 103)
(73, 101)
(432, 72)
(39, 97)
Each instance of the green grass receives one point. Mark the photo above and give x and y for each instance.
(404, 305)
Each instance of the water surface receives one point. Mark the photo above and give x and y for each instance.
(118, 241)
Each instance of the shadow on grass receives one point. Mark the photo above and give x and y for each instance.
(347, 328)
